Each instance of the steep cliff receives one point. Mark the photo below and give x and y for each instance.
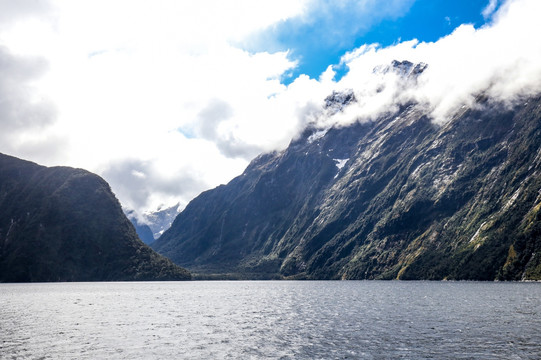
(398, 197)
(65, 224)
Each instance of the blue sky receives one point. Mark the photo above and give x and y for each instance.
(321, 37)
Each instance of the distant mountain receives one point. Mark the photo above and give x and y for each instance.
(65, 224)
(395, 198)
(153, 223)
(161, 220)
(143, 230)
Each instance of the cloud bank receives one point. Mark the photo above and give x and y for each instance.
(500, 59)
(161, 100)
(25, 114)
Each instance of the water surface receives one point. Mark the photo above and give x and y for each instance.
(271, 320)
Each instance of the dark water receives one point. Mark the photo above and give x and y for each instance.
(274, 320)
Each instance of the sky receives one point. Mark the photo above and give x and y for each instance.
(166, 99)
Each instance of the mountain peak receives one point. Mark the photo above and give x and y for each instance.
(404, 68)
(339, 99)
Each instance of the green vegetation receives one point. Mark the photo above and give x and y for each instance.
(64, 224)
(460, 201)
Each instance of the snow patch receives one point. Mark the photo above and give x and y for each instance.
(340, 163)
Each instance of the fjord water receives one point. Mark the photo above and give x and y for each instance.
(271, 319)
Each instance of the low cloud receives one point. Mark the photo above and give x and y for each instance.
(209, 119)
(216, 123)
(139, 185)
(500, 59)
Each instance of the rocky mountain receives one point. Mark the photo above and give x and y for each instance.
(65, 224)
(396, 198)
(143, 230)
(161, 219)
(151, 225)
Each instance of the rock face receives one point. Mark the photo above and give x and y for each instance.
(161, 220)
(400, 197)
(65, 224)
(143, 230)
(152, 224)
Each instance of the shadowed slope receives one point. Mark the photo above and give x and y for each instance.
(65, 224)
(399, 197)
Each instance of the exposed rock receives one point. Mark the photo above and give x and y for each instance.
(414, 200)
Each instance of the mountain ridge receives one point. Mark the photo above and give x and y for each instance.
(410, 200)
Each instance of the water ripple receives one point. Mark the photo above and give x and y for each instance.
(271, 320)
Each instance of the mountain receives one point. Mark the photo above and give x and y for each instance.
(65, 224)
(153, 223)
(396, 198)
(143, 230)
(161, 220)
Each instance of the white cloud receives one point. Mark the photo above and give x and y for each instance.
(126, 76)
(325, 27)
(13, 11)
(501, 59)
(360, 16)
(154, 96)
(490, 8)
(25, 114)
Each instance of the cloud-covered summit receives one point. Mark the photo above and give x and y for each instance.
(499, 60)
